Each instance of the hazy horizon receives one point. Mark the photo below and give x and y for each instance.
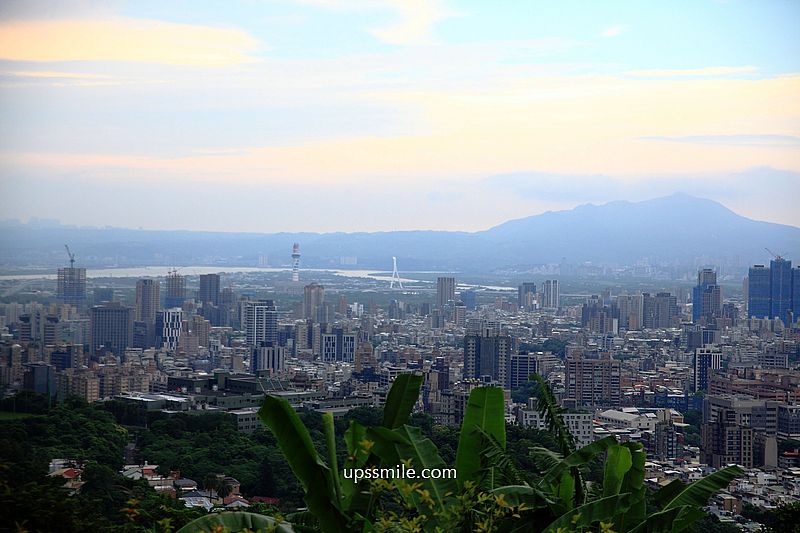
(335, 115)
(45, 222)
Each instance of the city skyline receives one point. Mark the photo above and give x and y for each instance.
(429, 109)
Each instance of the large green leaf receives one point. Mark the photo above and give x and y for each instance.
(633, 484)
(618, 462)
(667, 493)
(516, 495)
(330, 444)
(408, 443)
(485, 411)
(670, 521)
(401, 399)
(698, 493)
(355, 439)
(578, 458)
(236, 521)
(602, 510)
(298, 449)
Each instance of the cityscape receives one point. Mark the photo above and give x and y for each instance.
(322, 266)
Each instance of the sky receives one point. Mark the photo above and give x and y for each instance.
(365, 115)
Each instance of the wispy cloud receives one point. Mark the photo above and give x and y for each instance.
(613, 31)
(416, 21)
(696, 72)
(125, 39)
(754, 140)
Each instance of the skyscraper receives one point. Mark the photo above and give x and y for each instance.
(261, 323)
(209, 289)
(706, 296)
(526, 294)
(148, 297)
(758, 292)
(313, 298)
(111, 326)
(780, 288)
(774, 292)
(551, 296)
(445, 291)
(176, 290)
(72, 285)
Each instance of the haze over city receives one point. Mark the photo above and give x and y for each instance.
(334, 115)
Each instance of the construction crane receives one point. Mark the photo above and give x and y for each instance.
(773, 254)
(71, 257)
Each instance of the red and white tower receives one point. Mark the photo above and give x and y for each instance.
(296, 262)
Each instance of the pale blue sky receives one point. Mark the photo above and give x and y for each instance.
(328, 114)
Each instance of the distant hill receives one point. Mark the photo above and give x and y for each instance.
(679, 228)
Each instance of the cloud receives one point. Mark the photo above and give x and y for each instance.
(124, 39)
(416, 21)
(708, 71)
(754, 140)
(613, 31)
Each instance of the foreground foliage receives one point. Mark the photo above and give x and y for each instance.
(490, 493)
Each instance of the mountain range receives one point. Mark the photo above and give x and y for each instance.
(679, 229)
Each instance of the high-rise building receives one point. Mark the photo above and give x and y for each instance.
(460, 314)
(526, 295)
(551, 296)
(774, 292)
(469, 297)
(169, 327)
(209, 289)
(338, 346)
(659, 311)
(706, 296)
(758, 292)
(148, 298)
(706, 360)
(176, 290)
(488, 356)
(111, 326)
(313, 298)
(630, 311)
(445, 291)
(594, 382)
(796, 293)
(268, 356)
(780, 288)
(261, 322)
(39, 377)
(735, 428)
(72, 285)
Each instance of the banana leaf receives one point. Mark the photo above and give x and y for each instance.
(485, 411)
(401, 399)
(312, 472)
(236, 521)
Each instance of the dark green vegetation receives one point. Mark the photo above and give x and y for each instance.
(509, 478)
(490, 492)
